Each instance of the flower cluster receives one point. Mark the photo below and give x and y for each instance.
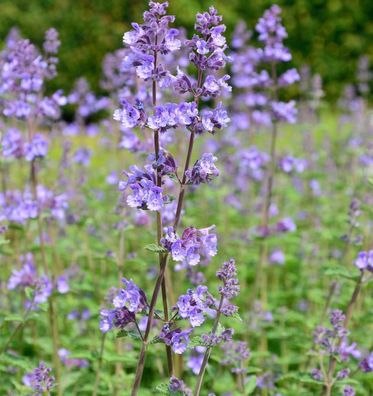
(152, 37)
(333, 342)
(194, 305)
(127, 302)
(13, 145)
(145, 192)
(40, 379)
(23, 72)
(18, 207)
(290, 164)
(235, 353)
(71, 362)
(204, 170)
(193, 244)
(176, 338)
(228, 275)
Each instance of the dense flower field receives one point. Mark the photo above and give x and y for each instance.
(204, 228)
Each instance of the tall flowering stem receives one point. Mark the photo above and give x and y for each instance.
(329, 380)
(206, 51)
(271, 34)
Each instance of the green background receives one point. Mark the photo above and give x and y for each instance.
(329, 35)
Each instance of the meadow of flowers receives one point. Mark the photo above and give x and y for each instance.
(203, 228)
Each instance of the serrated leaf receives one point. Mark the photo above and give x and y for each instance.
(155, 248)
(131, 334)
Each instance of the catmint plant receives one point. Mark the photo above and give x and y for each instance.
(145, 188)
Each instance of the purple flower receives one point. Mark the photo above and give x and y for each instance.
(131, 297)
(286, 225)
(145, 193)
(364, 261)
(289, 77)
(82, 156)
(71, 362)
(317, 374)
(215, 119)
(192, 245)
(129, 116)
(285, 111)
(290, 164)
(195, 359)
(178, 339)
(37, 148)
(51, 43)
(194, 305)
(228, 275)
(12, 143)
(235, 352)
(348, 391)
(177, 385)
(40, 379)
(277, 257)
(204, 170)
(119, 318)
(366, 365)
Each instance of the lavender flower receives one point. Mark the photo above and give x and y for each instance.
(204, 170)
(40, 379)
(193, 244)
(131, 297)
(194, 305)
(366, 365)
(364, 261)
(228, 275)
(178, 339)
(145, 192)
(37, 148)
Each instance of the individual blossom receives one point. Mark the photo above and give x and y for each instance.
(177, 385)
(40, 379)
(145, 192)
(204, 170)
(71, 362)
(194, 305)
(348, 390)
(82, 156)
(277, 256)
(12, 143)
(129, 116)
(36, 148)
(192, 245)
(366, 365)
(364, 261)
(176, 338)
(131, 297)
(195, 359)
(51, 43)
(165, 164)
(290, 164)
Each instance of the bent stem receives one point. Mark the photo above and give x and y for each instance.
(207, 354)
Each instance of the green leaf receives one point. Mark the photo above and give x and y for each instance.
(131, 334)
(341, 272)
(250, 385)
(155, 248)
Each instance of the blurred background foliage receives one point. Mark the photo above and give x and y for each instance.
(328, 35)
